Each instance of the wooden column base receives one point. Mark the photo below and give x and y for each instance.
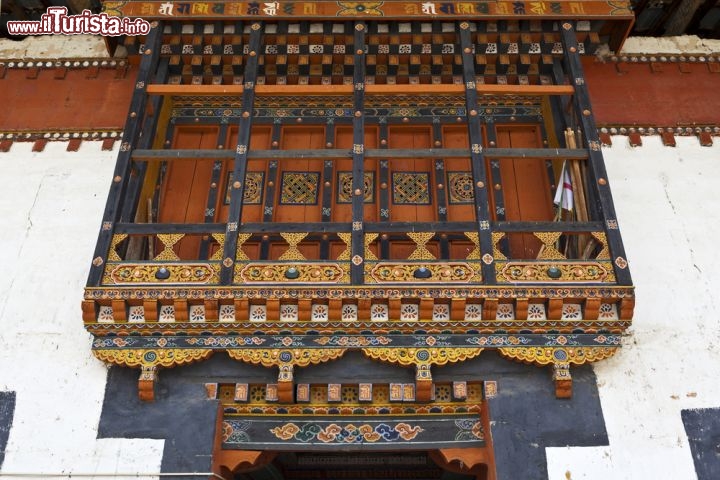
(563, 380)
(146, 384)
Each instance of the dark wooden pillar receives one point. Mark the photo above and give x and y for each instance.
(358, 155)
(131, 135)
(597, 174)
(477, 159)
(241, 151)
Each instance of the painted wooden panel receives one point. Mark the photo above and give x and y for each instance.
(187, 184)
(525, 186)
(412, 180)
(458, 181)
(299, 182)
(256, 175)
(401, 250)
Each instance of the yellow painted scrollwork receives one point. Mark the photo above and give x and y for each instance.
(555, 355)
(152, 358)
(421, 356)
(270, 357)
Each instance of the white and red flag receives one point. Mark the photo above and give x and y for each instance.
(564, 191)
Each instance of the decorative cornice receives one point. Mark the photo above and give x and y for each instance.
(75, 63)
(661, 58)
(60, 135)
(647, 130)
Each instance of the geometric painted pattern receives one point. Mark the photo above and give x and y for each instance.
(345, 191)
(253, 188)
(460, 187)
(252, 195)
(299, 188)
(411, 188)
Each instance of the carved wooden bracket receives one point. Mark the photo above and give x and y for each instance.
(560, 359)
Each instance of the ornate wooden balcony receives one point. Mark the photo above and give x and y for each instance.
(358, 215)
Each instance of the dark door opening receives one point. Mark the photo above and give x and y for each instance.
(354, 466)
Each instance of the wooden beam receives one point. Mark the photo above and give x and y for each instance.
(546, 226)
(375, 89)
(131, 134)
(370, 227)
(499, 153)
(165, 89)
(240, 161)
(132, 195)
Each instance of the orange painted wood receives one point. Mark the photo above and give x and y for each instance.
(159, 89)
(411, 137)
(166, 89)
(75, 103)
(260, 139)
(186, 186)
(525, 186)
(665, 98)
(300, 137)
(637, 96)
(456, 136)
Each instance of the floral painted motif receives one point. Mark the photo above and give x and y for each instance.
(409, 312)
(349, 9)
(499, 340)
(105, 315)
(379, 312)
(197, 313)
(536, 311)
(441, 311)
(334, 433)
(320, 312)
(227, 313)
(571, 311)
(136, 314)
(352, 341)
(505, 311)
(473, 312)
(349, 312)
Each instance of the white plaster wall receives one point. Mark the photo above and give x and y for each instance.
(51, 206)
(683, 44)
(54, 47)
(668, 208)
